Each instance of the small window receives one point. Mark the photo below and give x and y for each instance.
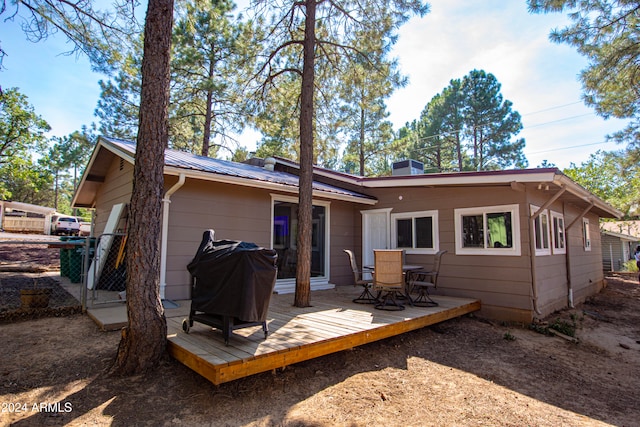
(585, 234)
(416, 232)
(558, 234)
(541, 231)
(492, 230)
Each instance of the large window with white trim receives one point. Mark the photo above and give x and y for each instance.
(558, 239)
(541, 231)
(415, 232)
(490, 230)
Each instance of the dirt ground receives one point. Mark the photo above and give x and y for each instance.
(463, 372)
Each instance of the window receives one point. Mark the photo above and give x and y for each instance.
(585, 234)
(558, 234)
(491, 230)
(541, 231)
(416, 232)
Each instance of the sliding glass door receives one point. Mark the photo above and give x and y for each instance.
(285, 233)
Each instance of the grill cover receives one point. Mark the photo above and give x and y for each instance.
(232, 278)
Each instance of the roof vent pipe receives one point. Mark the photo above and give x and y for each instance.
(269, 164)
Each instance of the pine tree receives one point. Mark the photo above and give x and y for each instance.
(294, 48)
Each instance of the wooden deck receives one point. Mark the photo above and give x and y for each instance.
(333, 324)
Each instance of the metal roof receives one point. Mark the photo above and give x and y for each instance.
(551, 179)
(210, 168)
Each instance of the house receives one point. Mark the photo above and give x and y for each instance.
(524, 242)
(619, 241)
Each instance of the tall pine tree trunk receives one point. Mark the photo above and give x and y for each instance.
(144, 339)
(459, 151)
(208, 116)
(361, 153)
(305, 203)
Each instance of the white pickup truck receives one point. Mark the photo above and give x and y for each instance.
(65, 225)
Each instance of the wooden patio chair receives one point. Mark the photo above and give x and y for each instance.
(388, 279)
(366, 297)
(422, 280)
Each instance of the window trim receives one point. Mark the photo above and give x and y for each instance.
(413, 215)
(554, 244)
(514, 209)
(281, 284)
(586, 235)
(541, 251)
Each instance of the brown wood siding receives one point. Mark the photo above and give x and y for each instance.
(241, 213)
(233, 212)
(344, 235)
(587, 276)
(584, 266)
(117, 188)
(502, 283)
(551, 269)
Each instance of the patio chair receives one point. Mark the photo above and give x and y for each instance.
(422, 280)
(388, 279)
(366, 297)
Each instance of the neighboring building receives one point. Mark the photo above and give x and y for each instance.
(25, 217)
(630, 227)
(524, 242)
(619, 241)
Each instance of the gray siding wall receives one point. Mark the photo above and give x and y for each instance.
(611, 253)
(615, 252)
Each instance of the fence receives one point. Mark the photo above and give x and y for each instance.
(24, 224)
(49, 276)
(106, 273)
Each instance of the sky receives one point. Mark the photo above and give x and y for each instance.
(500, 37)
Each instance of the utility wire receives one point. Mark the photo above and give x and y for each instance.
(426, 138)
(559, 120)
(570, 147)
(552, 108)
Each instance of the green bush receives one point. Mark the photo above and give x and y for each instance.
(631, 266)
(564, 327)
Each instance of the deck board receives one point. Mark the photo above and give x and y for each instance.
(333, 323)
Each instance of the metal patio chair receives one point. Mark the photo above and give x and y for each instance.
(422, 280)
(366, 297)
(388, 279)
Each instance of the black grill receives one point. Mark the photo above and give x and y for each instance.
(232, 283)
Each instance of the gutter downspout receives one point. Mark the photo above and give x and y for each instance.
(532, 246)
(568, 258)
(166, 200)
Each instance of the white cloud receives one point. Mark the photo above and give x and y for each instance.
(502, 38)
(498, 36)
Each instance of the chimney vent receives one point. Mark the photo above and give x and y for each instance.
(269, 163)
